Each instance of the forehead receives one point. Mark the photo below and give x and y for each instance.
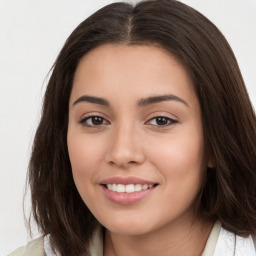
(131, 70)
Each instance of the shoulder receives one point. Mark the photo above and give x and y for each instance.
(254, 240)
(35, 248)
(229, 243)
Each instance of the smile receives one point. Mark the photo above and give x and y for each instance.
(127, 190)
(130, 188)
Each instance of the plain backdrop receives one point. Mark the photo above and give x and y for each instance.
(31, 34)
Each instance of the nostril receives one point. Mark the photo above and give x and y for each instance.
(132, 162)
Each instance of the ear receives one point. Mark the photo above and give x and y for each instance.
(211, 162)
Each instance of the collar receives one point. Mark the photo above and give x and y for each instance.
(221, 242)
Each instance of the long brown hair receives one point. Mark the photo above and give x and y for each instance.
(229, 190)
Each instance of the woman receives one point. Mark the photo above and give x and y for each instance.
(147, 140)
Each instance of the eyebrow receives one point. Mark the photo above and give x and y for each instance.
(157, 99)
(141, 102)
(92, 99)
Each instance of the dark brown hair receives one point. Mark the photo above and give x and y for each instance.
(229, 190)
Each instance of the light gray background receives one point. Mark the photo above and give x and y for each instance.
(31, 35)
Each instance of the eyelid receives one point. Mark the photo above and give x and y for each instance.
(91, 115)
(164, 115)
(172, 121)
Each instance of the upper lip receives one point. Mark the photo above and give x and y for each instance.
(126, 181)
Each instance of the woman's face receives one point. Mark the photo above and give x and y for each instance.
(135, 138)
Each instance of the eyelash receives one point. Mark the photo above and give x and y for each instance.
(84, 120)
(168, 121)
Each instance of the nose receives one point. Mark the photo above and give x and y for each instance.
(125, 147)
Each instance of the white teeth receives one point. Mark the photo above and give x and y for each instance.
(145, 186)
(113, 187)
(138, 187)
(130, 188)
(120, 188)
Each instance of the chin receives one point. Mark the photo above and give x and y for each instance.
(128, 227)
(129, 230)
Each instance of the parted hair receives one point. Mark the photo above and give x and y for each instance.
(228, 192)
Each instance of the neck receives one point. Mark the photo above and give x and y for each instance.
(188, 239)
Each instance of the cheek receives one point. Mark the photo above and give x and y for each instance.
(179, 152)
(83, 150)
(84, 156)
(182, 170)
(181, 159)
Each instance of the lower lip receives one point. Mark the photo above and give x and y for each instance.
(126, 198)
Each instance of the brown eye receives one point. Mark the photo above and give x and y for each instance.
(96, 120)
(162, 121)
(93, 121)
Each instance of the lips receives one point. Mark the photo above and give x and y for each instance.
(128, 190)
(126, 181)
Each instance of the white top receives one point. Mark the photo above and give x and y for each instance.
(220, 243)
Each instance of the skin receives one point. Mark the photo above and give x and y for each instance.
(129, 141)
